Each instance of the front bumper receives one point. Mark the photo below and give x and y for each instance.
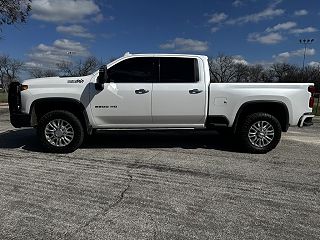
(17, 118)
(306, 120)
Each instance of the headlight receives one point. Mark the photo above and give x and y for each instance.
(24, 87)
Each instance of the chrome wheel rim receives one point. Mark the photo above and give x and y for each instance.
(261, 134)
(59, 133)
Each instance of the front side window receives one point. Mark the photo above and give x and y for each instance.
(178, 70)
(132, 70)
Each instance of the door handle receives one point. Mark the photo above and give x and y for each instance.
(195, 91)
(141, 91)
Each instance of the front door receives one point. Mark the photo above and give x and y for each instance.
(125, 100)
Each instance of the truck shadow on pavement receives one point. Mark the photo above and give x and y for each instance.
(22, 138)
(185, 139)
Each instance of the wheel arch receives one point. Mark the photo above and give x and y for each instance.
(276, 108)
(41, 106)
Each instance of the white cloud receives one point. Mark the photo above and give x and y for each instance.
(75, 30)
(217, 17)
(281, 26)
(304, 30)
(186, 45)
(309, 52)
(71, 11)
(237, 3)
(274, 3)
(270, 38)
(33, 65)
(238, 59)
(314, 64)
(285, 56)
(110, 18)
(69, 45)
(265, 64)
(214, 29)
(268, 13)
(217, 20)
(98, 18)
(301, 12)
(47, 56)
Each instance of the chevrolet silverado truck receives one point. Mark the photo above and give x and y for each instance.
(157, 91)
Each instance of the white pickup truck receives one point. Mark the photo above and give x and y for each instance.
(157, 91)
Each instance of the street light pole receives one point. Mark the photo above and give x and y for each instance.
(305, 42)
(71, 53)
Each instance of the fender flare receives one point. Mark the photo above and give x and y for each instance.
(246, 105)
(62, 104)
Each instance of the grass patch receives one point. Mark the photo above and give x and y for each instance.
(3, 97)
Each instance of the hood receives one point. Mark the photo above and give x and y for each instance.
(57, 81)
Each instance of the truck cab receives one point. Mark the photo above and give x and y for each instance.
(156, 91)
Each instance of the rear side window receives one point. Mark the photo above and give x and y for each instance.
(178, 70)
(133, 70)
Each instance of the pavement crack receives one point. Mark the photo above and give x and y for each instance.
(154, 227)
(107, 209)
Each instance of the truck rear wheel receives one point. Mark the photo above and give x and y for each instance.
(260, 132)
(60, 131)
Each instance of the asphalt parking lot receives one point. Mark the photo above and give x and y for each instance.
(159, 185)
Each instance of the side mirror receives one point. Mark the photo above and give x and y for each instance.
(102, 77)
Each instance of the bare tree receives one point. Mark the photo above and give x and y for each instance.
(255, 73)
(88, 66)
(267, 76)
(82, 68)
(222, 68)
(111, 59)
(66, 69)
(9, 70)
(283, 72)
(37, 72)
(241, 72)
(312, 74)
(14, 11)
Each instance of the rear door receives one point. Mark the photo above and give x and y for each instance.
(126, 100)
(179, 96)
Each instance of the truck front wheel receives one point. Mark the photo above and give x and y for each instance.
(260, 132)
(60, 131)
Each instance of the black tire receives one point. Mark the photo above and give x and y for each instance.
(78, 133)
(248, 125)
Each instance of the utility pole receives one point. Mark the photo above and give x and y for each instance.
(305, 42)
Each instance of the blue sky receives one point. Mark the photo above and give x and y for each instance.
(255, 31)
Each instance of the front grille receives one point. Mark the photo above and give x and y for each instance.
(14, 97)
